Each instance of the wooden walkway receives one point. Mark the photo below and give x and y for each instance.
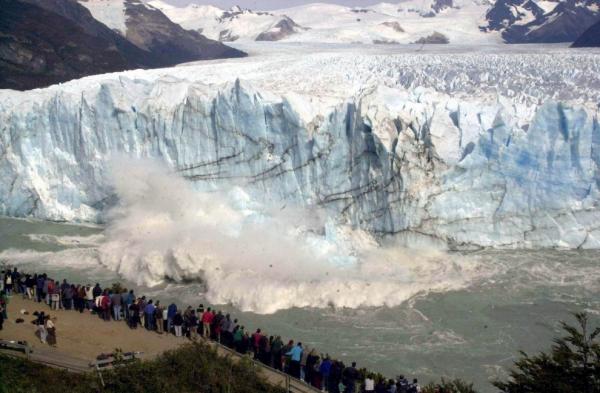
(72, 364)
(50, 358)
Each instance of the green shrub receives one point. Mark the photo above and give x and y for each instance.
(22, 376)
(572, 366)
(117, 287)
(191, 368)
(452, 386)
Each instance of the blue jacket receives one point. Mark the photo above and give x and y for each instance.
(149, 309)
(325, 368)
(128, 299)
(296, 353)
(172, 310)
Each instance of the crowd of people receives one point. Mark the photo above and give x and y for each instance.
(119, 304)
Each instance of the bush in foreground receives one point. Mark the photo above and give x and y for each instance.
(191, 368)
(572, 366)
(449, 386)
(22, 376)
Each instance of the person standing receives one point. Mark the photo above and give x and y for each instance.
(97, 291)
(142, 302)
(149, 315)
(8, 283)
(178, 324)
(238, 335)
(134, 314)
(51, 330)
(39, 288)
(276, 348)
(105, 305)
(325, 370)
(207, 319)
(89, 297)
(67, 296)
(80, 303)
(41, 327)
(158, 317)
(128, 299)
(193, 325)
(64, 287)
(55, 291)
(30, 286)
(350, 377)
(48, 284)
(414, 387)
(171, 312)
(303, 364)
(117, 302)
(295, 357)
(309, 366)
(369, 384)
(216, 326)
(402, 385)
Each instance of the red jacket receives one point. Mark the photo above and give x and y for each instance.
(256, 339)
(105, 302)
(208, 317)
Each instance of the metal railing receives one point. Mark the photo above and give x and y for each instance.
(113, 360)
(292, 384)
(16, 346)
(12, 348)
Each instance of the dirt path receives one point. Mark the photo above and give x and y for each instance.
(82, 337)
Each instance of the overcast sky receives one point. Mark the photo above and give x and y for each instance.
(271, 4)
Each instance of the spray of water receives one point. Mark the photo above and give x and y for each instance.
(258, 258)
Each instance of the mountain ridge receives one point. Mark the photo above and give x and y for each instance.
(51, 41)
(465, 21)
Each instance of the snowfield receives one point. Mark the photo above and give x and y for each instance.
(400, 23)
(109, 12)
(448, 145)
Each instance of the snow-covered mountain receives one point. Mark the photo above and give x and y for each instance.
(460, 21)
(404, 22)
(465, 149)
(230, 25)
(51, 41)
(148, 28)
(542, 21)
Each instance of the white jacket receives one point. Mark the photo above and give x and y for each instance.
(89, 293)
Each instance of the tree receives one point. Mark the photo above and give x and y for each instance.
(449, 386)
(572, 366)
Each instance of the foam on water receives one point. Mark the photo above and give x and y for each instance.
(257, 258)
(265, 259)
(68, 241)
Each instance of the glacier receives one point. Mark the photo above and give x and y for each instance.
(464, 150)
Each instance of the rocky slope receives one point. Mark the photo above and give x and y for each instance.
(530, 21)
(40, 47)
(49, 41)
(148, 28)
(590, 38)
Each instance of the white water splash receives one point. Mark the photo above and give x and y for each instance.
(259, 258)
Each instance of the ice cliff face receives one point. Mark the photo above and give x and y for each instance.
(413, 163)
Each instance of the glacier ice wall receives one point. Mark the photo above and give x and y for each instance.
(469, 172)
